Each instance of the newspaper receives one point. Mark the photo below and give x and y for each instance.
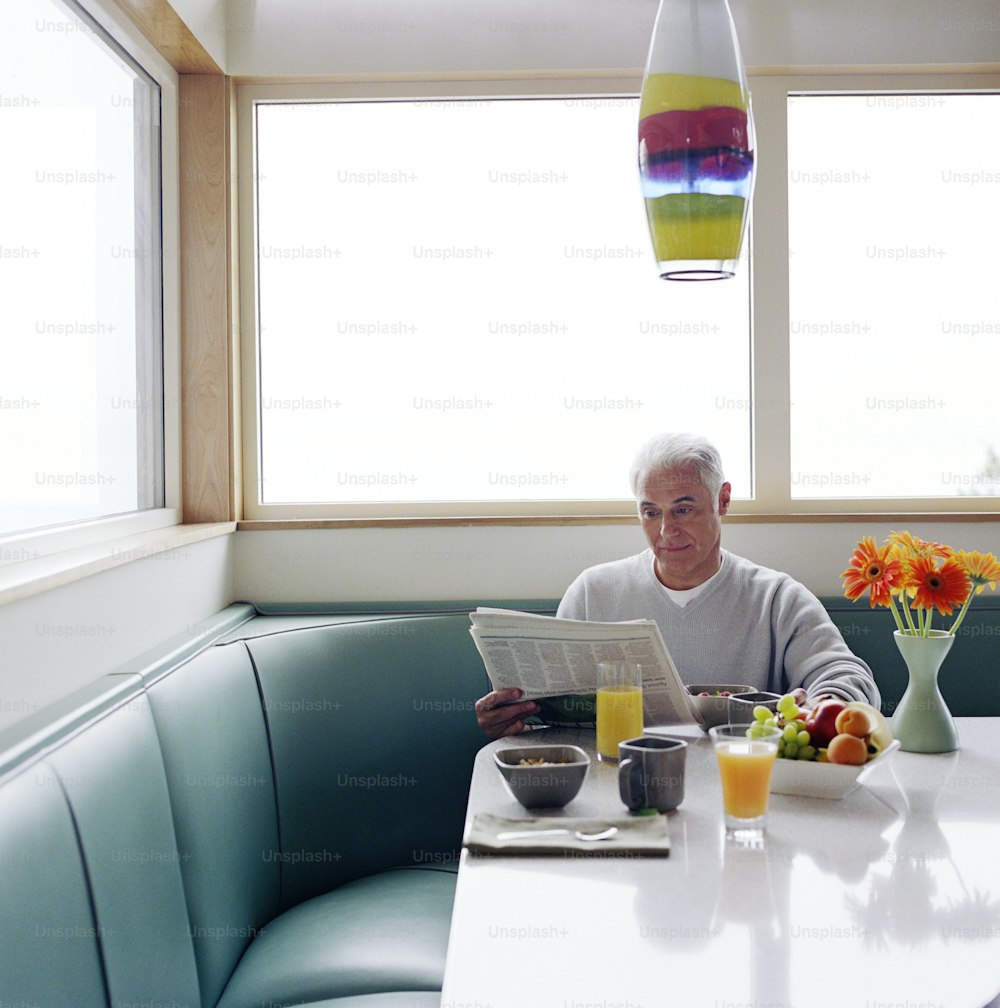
(550, 657)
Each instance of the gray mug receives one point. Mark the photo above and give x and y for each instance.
(651, 772)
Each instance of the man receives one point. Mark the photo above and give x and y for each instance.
(723, 618)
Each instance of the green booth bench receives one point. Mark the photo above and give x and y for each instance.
(268, 811)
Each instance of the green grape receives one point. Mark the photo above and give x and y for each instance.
(787, 707)
(802, 738)
(789, 734)
(791, 750)
(808, 753)
(798, 724)
(762, 714)
(756, 731)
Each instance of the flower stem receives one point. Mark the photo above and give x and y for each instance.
(895, 615)
(907, 614)
(961, 615)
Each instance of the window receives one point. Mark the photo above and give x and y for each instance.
(81, 369)
(458, 302)
(893, 294)
(452, 309)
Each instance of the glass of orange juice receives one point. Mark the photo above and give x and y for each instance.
(619, 706)
(745, 769)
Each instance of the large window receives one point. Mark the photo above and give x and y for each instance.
(458, 302)
(893, 294)
(453, 308)
(81, 410)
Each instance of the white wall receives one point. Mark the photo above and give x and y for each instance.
(480, 563)
(290, 37)
(61, 640)
(207, 21)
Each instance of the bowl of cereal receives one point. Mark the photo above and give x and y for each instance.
(543, 776)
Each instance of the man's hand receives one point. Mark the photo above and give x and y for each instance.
(497, 716)
(801, 699)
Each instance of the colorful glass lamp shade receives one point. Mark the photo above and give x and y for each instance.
(696, 142)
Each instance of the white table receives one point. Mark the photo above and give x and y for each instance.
(888, 898)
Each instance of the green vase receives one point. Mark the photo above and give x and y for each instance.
(922, 721)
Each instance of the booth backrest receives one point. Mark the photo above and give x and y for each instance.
(91, 874)
(47, 923)
(222, 793)
(372, 726)
(153, 825)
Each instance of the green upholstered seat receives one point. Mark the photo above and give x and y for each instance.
(384, 999)
(221, 828)
(380, 934)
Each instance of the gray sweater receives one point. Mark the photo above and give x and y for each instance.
(749, 625)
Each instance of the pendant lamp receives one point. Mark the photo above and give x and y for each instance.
(696, 146)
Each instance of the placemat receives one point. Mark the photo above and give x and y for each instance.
(636, 836)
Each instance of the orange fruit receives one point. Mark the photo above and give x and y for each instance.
(847, 748)
(852, 721)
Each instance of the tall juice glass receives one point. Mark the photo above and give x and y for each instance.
(619, 706)
(745, 771)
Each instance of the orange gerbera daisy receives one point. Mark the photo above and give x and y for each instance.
(983, 568)
(940, 588)
(872, 568)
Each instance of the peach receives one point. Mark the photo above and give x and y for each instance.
(847, 748)
(852, 721)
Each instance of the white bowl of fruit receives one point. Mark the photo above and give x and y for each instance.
(825, 752)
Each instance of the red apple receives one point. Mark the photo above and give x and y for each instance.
(821, 722)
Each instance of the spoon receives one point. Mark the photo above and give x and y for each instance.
(605, 834)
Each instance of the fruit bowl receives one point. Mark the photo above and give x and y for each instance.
(713, 710)
(823, 780)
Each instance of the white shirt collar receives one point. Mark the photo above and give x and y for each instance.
(682, 596)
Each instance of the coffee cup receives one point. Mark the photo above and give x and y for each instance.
(651, 772)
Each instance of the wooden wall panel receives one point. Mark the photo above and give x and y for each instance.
(209, 389)
(170, 36)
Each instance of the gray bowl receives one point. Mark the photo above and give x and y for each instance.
(759, 698)
(714, 710)
(551, 784)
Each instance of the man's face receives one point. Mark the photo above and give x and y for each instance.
(682, 521)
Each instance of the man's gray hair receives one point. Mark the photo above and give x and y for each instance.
(677, 451)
